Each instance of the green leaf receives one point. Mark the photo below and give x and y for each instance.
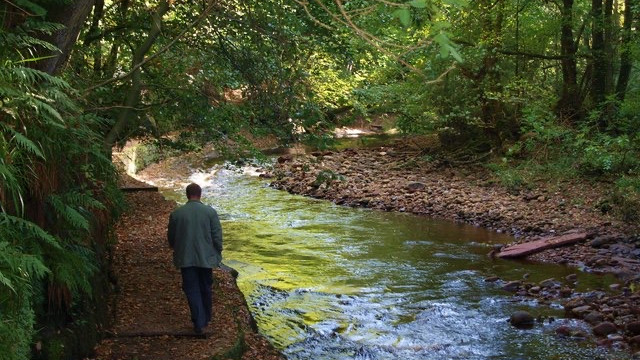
(444, 51)
(404, 15)
(456, 3)
(446, 47)
(455, 54)
(420, 4)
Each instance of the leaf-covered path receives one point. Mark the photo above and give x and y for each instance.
(151, 316)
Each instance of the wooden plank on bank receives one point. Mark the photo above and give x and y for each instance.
(532, 247)
(139, 188)
(179, 334)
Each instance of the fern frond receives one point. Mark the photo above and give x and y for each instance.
(32, 7)
(9, 183)
(61, 98)
(73, 266)
(83, 199)
(6, 282)
(10, 92)
(27, 42)
(68, 213)
(33, 76)
(39, 26)
(28, 229)
(22, 141)
(46, 110)
(16, 266)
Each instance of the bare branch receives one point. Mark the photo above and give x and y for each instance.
(19, 8)
(370, 39)
(305, 6)
(391, 3)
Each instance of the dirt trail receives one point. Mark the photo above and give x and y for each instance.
(151, 314)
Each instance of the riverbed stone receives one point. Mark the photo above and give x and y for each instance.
(580, 310)
(633, 328)
(549, 283)
(416, 186)
(565, 292)
(563, 330)
(604, 328)
(601, 241)
(635, 341)
(521, 319)
(572, 277)
(512, 286)
(573, 303)
(594, 317)
(285, 158)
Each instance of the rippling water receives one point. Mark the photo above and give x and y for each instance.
(329, 282)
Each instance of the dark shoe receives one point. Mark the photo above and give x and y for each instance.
(198, 331)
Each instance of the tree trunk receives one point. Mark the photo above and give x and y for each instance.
(72, 16)
(98, 12)
(609, 48)
(569, 105)
(625, 52)
(133, 95)
(598, 82)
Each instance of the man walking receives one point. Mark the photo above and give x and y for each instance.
(195, 235)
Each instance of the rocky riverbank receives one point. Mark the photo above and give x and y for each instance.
(391, 179)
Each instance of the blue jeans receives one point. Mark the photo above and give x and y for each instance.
(196, 284)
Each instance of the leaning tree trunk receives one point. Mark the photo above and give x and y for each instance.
(72, 16)
(133, 94)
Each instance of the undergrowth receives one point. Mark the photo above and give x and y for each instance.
(553, 152)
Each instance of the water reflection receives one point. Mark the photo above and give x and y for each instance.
(328, 282)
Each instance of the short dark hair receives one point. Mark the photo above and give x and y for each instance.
(194, 191)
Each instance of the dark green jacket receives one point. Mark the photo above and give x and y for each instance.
(195, 235)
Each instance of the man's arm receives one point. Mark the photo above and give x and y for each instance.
(216, 230)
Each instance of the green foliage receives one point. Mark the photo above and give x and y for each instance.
(53, 175)
(326, 178)
(608, 155)
(626, 199)
(510, 178)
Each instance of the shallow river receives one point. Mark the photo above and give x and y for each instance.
(329, 282)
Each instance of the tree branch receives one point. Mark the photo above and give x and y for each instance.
(156, 54)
